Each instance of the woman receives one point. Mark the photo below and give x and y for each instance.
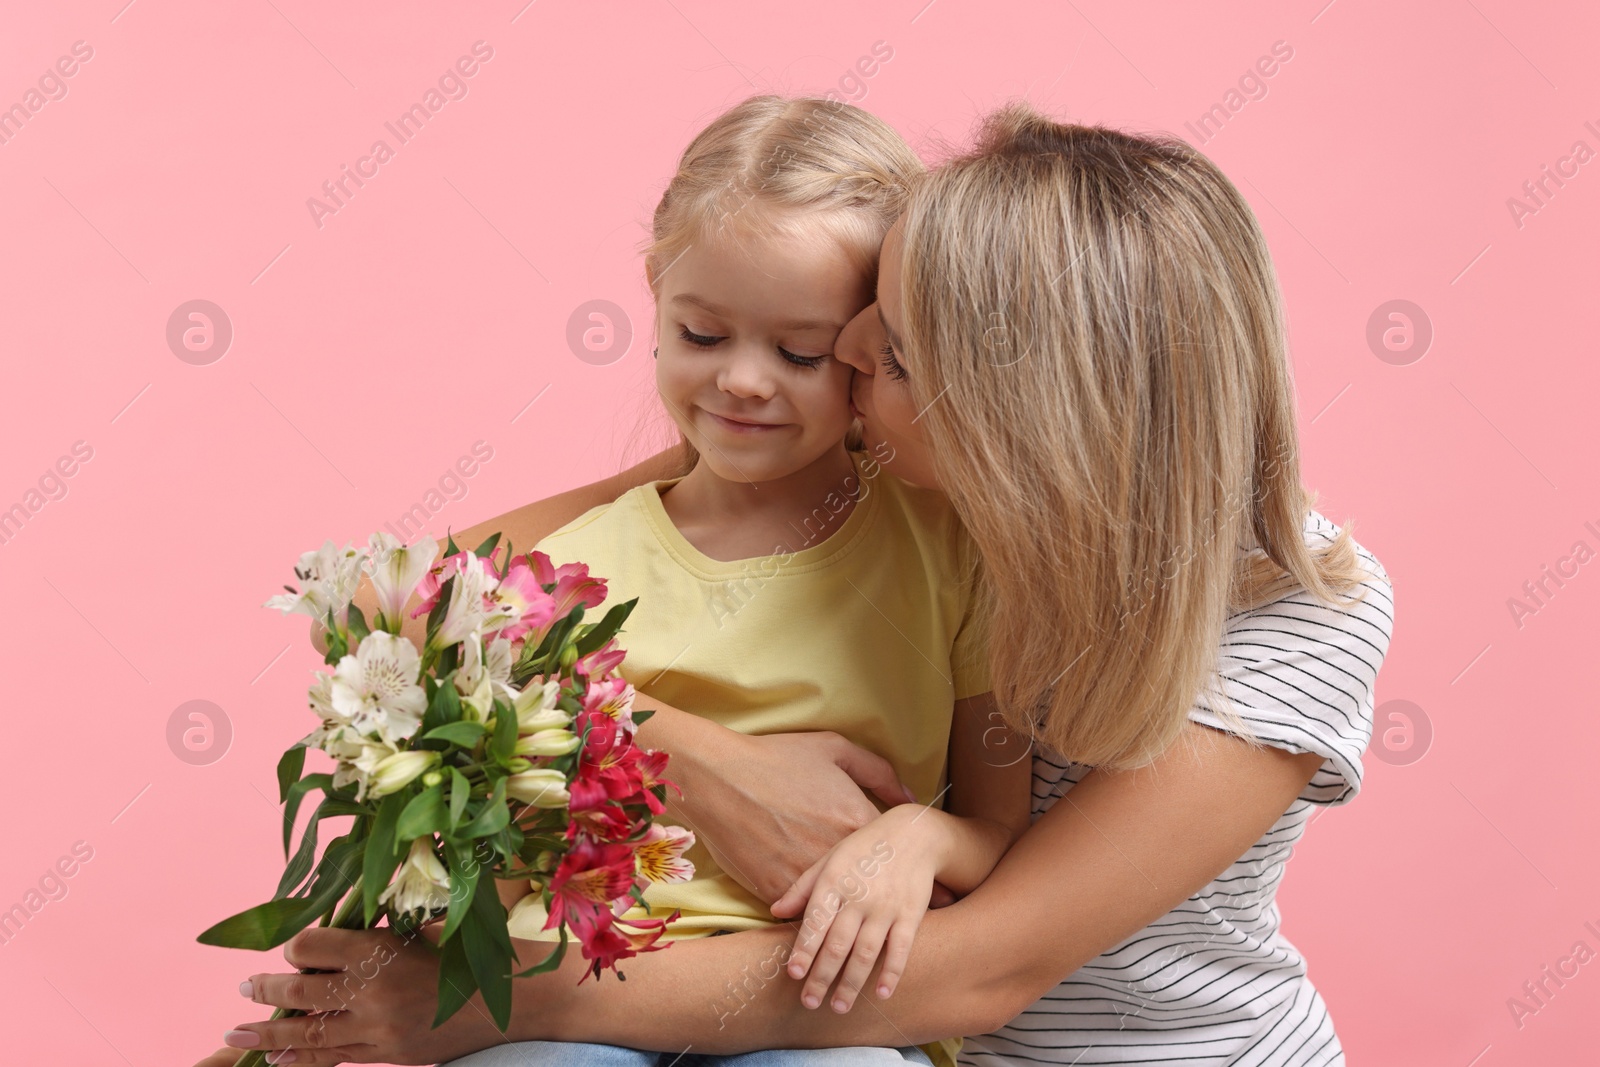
(1078, 339)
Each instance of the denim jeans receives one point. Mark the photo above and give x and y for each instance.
(578, 1054)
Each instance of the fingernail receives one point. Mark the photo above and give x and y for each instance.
(288, 1055)
(241, 1039)
(247, 988)
(810, 1001)
(840, 1006)
(883, 991)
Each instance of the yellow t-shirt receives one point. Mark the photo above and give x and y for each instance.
(866, 625)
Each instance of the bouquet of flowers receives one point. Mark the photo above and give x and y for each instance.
(503, 748)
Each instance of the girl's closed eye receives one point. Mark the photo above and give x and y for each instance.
(808, 362)
(698, 340)
(710, 341)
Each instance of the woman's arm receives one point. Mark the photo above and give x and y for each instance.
(1113, 855)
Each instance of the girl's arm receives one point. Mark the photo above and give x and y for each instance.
(869, 894)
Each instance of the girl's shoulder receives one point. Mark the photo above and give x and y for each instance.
(601, 520)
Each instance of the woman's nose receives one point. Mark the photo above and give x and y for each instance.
(855, 341)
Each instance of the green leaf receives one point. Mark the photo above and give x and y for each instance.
(606, 628)
(382, 855)
(489, 951)
(357, 623)
(300, 865)
(450, 548)
(291, 802)
(464, 873)
(336, 806)
(642, 716)
(460, 791)
(338, 647)
(505, 731)
(550, 962)
(263, 926)
(339, 870)
(456, 983)
(464, 733)
(487, 547)
(424, 814)
(444, 708)
(440, 608)
(492, 818)
(290, 764)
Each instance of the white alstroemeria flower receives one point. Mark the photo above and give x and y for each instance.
(541, 787)
(479, 704)
(320, 697)
(376, 689)
(328, 580)
(467, 613)
(399, 770)
(396, 569)
(357, 757)
(362, 764)
(547, 743)
(481, 678)
(536, 707)
(422, 883)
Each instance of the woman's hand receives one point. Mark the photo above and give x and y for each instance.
(769, 807)
(864, 899)
(376, 1004)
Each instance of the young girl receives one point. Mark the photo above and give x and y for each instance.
(784, 582)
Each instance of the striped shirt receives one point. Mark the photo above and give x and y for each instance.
(1213, 982)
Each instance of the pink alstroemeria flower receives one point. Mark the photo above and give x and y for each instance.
(622, 939)
(612, 697)
(601, 662)
(573, 586)
(523, 600)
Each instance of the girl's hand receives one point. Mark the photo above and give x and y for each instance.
(864, 899)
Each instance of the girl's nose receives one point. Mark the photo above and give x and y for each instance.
(746, 374)
(855, 342)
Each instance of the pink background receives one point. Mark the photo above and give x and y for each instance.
(369, 353)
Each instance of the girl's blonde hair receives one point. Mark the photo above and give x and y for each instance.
(842, 166)
(1094, 335)
(765, 162)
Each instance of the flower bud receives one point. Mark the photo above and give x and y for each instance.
(548, 743)
(395, 772)
(541, 787)
(569, 656)
(432, 778)
(537, 719)
(517, 764)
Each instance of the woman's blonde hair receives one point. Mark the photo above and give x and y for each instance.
(793, 164)
(1094, 334)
